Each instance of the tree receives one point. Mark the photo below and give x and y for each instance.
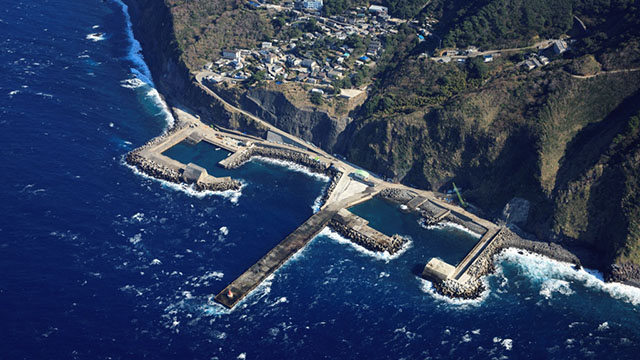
(316, 98)
(477, 67)
(257, 77)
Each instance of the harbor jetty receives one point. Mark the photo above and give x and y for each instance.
(349, 186)
(357, 230)
(149, 160)
(275, 258)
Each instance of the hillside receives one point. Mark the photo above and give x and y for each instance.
(563, 135)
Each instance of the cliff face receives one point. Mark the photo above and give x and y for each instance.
(315, 126)
(560, 141)
(153, 27)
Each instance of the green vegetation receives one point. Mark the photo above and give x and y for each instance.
(203, 28)
(568, 143)
(316, 98)
(513, 23)
(337, 7)
(404, 9)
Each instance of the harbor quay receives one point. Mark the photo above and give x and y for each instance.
(349, 186)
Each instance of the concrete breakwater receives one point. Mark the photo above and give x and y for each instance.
(149, 160)
(162, 172)
(356, 229)
(399, 196)
(335, 178)
(296, 157)
(484, 264)
(280, 154)
(152, 168)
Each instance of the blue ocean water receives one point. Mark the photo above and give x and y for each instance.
(97, 261)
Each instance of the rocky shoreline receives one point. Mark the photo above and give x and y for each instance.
(397, 241)
(484, 264)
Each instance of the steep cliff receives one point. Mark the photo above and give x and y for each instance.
(557, 136)
(153, 26)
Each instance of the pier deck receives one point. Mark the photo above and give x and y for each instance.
(232, 158)
(416, 202)
(463, 266)
(269, 263)
(360, 225)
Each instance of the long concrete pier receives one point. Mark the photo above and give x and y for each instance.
(275, 258)
(345, 192)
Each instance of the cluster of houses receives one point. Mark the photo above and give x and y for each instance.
(538, 60)
(532, 60)
(282, 61)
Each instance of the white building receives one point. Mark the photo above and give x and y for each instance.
(378, 10)
(559, 46)
(231, 54)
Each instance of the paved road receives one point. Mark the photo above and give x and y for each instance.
(539, 45)
(605, 73)
(200, 75)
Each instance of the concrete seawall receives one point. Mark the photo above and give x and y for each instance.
(483, 264)
(357, 230)
(149, 160)
(268, 264)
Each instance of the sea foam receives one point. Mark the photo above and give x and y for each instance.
(544, 270)
(427, 287)
(232, 195)
(292, 166)
(451, 225)
(141, 70)
(384, 256)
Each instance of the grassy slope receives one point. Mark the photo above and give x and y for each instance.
(498, 132)
(544, 135)
(205, 27)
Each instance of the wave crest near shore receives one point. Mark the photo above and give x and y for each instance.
(540, 268)
(141, 69)
(232, 195)
(383, 256)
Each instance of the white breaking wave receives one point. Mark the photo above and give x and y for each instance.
(141, 70)
(384, 256)
(95, 37)
(155, 97)
(216, 275)
(135, 50)
(449, 224)
(542, 269)
(427, 287)
(135, 239)
(317, 203)
(132, 83)
(231, 195)
(551, 286)
(292, 166)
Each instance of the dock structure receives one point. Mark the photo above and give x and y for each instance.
(233, 158)
(460, 271)
(416, 202)
(294, 242)
(275, 258)
(358, 230)
(344, 194)
(442, 215)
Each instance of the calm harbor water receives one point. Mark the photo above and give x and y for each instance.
(98, 261)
